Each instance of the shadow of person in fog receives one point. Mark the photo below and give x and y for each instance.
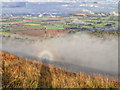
(45, 80)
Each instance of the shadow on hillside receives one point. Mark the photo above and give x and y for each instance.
(45, 81)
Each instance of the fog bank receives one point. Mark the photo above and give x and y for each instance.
(79, 50)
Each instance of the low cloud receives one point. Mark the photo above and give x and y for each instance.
(78, 49)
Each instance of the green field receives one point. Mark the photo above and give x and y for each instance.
(54, 27)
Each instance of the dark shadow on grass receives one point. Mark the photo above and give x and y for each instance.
(45, 80)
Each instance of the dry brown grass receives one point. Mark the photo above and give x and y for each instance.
(24, 73)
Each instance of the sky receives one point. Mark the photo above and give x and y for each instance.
(35, 0)
(51, 0)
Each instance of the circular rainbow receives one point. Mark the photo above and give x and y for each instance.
(46, 55)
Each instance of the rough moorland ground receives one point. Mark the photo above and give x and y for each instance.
(18, 72)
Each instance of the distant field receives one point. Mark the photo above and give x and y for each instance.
(54, 27)
(41, 27)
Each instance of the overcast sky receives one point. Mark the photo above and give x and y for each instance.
(52, 0)
(33, 0)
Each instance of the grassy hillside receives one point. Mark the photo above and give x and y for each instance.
(18, 72)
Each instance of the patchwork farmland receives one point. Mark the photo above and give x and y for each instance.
(43, 27)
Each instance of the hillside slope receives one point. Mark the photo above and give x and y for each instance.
(18, 72)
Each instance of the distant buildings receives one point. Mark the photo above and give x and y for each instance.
(47, 15)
